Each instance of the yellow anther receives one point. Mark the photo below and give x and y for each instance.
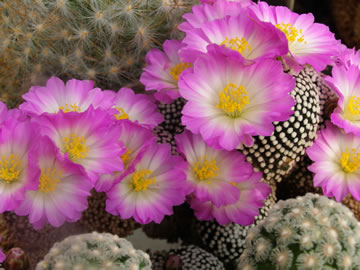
(75, 147)
(176, 71)
(139, 180)
(126, 157)
(48, 179)
(292, 33)
(236, 44)
(205, 169)
(69, 108)
(10, 168)
(233, 99)
(122, 114)
(350, 161)
(353, 107)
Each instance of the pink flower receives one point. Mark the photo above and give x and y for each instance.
(309, 43)
(250, 38)
(336, 157)
(89, 139)
(18, 170)
(230, 101)
(346, 84)
(162, 71)
(138, 108)
(152, 189)
(135, 139)
(212, 174)
(74, 96)
(252, 196)
(63, 188)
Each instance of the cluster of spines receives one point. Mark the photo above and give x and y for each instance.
(309, 232)
(102, 40)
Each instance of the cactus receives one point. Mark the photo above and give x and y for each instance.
(309, 232)
(103, 40)
(95, 251)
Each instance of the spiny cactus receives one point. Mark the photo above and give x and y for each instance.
(103, 40)
(309, 232)
(95, 251)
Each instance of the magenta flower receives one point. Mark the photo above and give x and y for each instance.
(350, 57)
(136, 139)
(230, 101)
(87, 138)
(346, 83)
(138, 108)
(162, 71)
(18, 170)
(243, 212)
(336, 157)
(252, 39)
(207, 13)
(211, 173)
(309, 43)
(152, 189)
(74, 96)
(63, 188)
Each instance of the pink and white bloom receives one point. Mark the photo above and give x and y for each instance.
(243, 211)
(207, 13)
(152, 189)
(212, 174)
(162, 71)
(63, 188)
(336, 157)
(138, 108)
(74, 96)
(230, 101)
(250, 38)
(89, 139)
(135, 139)
(346, 84)
(18, 170)
(309, 43)
(350, 57)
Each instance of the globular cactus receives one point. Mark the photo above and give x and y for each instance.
(309, 232)
(103, 40)
(94, 251)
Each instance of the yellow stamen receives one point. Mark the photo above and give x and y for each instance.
(176, 71)
(69, 108)
(233, 99)
(126, 157)
(10, 168)
(139, 180)
(350, 161)
(353, 107)
(292, 33)
(75, 147)
(48, 179)
(122, 114)
(205, 169)
(236, 44)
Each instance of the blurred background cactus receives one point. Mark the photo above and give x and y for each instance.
(103, 40)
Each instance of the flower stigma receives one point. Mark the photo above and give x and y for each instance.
(122, 114)
(75, 147)
(48, 179)
(292, 33)
(10, 168)
(205, 169)
(176, 70)
(233, 99)
(236, 44)
(126, 157)
(350, 161)
(139, 180)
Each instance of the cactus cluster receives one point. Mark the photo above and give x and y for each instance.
(309, 232)
(95, 251)
(103, 40)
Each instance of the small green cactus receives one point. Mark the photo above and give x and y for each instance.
(309, 232)
(103, 40)
(94, 251)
